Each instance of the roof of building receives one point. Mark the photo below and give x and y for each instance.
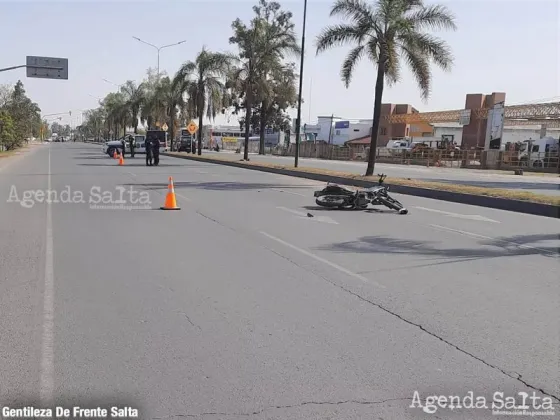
(361, 140)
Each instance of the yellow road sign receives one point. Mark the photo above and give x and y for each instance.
(192, 127)
(165, 127)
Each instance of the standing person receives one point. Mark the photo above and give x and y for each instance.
(132, 145)
(123, 143)
(155, 150)
(149, 151)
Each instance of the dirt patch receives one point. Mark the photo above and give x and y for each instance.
(440, 186)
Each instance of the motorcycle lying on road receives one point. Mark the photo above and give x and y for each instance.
(337, 196)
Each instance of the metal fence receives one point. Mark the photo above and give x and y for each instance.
(474, 159)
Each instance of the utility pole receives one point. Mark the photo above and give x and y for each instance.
(298, 120)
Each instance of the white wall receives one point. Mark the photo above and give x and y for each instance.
(325, 127)
(510, 134)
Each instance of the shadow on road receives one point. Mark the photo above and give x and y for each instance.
(502, 185)
(161, 165)
(220, 186)
(512, 246)
(368, 210)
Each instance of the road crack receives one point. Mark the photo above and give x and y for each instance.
(190, 321)
(281, 407)
(517, 376)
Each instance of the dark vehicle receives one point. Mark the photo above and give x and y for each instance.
(337, 196)
(185, 146)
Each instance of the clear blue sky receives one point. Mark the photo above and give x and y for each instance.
(510, 46)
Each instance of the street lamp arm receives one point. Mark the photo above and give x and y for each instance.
(172, 45)
(144, 42)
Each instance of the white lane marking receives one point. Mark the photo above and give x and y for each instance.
(183, 197)
(476, 235)
(288, 192)
(324, 261)
(303, 215)
(47, 354)
(458, 215)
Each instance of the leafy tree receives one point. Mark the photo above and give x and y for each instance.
(388, 32)
(7, 133)
(262, 46)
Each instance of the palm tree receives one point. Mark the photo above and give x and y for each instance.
(386, 31)
(170, 95)
(135, 96)
(203, 79)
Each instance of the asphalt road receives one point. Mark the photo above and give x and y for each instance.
(548, 184)
(240, 305)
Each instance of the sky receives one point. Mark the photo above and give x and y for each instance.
(500, 46)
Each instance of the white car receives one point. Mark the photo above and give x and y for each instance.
(110, 146)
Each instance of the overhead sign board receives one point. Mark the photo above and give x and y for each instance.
(47, 67)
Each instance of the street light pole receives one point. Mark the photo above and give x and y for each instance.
(158, 49)
(114, 84)
(298, 120)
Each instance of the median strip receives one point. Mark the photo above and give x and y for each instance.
(519, 201)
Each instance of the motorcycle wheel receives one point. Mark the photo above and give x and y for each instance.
(392, 204)
(331, 201)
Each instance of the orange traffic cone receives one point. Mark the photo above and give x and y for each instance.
(121, 160)
(170, 200)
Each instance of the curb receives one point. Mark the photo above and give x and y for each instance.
(518, 206)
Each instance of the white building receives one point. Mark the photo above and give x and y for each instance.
(511, 134)
(336, 130)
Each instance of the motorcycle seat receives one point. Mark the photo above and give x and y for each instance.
(339, 187)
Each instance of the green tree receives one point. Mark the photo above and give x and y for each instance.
(134, 98)
(151, 111)
(7, 133)
(279, 39)
(118, 115)
(388, 32)
(262, 46)
(170, 95)
(25, 114)
(203, 80)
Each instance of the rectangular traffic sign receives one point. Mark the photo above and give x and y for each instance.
(47, 67)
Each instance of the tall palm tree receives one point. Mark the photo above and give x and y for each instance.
(170, 95)
(135, 96)
(203, 79)
(388, 32)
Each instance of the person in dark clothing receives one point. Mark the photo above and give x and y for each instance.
(149, 155)
(131, 143)
(123, 143)
(155, 150)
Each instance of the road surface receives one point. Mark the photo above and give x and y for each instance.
(240, 305)
(548, 184)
